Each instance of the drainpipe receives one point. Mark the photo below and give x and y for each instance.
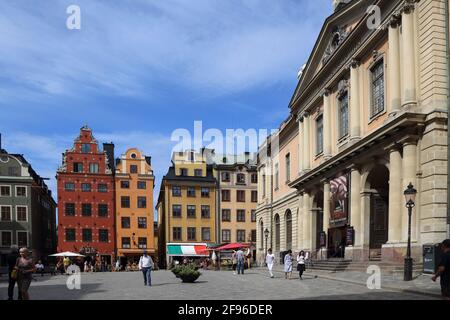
(447, 40)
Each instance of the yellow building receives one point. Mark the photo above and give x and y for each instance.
(186, 208)
(134, 182)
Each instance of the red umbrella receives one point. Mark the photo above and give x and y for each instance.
(232, 246)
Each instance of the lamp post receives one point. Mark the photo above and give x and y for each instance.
(266, 236)
(410, 196)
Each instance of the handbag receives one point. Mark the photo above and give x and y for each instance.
(14, 272)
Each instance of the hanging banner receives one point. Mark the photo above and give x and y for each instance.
(339, 201)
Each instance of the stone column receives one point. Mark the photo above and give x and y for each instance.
(355, 208)
(408, 55)
(326, 206)
(306, 222)
(394, 68)
(301, 143)
(306, 143)
(365, 221)
(409, 176)
(300, 222)
(395, 196)
(355, 106)
(326, 125)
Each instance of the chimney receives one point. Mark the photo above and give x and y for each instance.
(109, 149)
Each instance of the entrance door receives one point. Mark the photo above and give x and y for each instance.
(378, 224)
(336, 242)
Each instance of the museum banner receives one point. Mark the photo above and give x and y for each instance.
(339, 201)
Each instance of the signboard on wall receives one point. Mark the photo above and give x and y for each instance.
(339, 201)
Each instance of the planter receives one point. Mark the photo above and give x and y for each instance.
(187, 274)
(190, 278)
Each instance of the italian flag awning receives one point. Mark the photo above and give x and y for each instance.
(187, 249)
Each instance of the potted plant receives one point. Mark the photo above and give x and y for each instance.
(187, 273)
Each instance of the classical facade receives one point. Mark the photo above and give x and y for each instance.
(371, 112)
(134, 182)
(27, 209)
(86, 215)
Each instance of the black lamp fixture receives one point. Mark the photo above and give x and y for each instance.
(410, 197)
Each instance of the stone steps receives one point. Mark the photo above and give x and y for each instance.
(338, 265)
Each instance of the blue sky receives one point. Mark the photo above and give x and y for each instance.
(139, 69)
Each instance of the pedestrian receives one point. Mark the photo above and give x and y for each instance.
(288, 264)
(146, 266)
(12, 260)
(270, 258)
(233, 261)
(39, 268)
(25, 269)
(240, 259)
(86, 266)
(248, 255)
(443, 270)
(118, 265)
(66, 262)
(301, 263)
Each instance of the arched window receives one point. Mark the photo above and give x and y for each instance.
(288, 230)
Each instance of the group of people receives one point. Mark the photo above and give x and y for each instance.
(288, 263)
(238, 258)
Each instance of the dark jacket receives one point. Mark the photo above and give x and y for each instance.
(12, 258)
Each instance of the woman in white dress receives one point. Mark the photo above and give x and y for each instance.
(270, 258)
(288, 264)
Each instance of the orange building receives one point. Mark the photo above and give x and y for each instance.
(134, 181)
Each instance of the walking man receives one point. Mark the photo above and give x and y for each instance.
(146, 266)
(12, 259)
(270, 258)
(443, 270)
(240, 257)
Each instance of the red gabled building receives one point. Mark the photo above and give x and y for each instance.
(86, 213)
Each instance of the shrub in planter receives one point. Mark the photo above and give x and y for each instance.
(187, 273)
(176, 270)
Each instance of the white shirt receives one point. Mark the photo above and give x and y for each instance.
(145, 262)
(270, 258)
(301, 259)
(39, 266)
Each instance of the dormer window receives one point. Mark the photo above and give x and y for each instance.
(183, 172)
(86, 148)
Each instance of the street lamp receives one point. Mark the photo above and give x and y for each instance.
(410, 196)
(266, 236)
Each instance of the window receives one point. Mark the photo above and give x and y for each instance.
(240, 236)
(125, 222)
(142, 242)
(87, 235)
(77, 167)
(319, 135)
(86, 209)
(198, 172)
(125, 184)
(191, 234)
(22, 213)
(191, 156)
(288, 167)
(225, 177)
(102, 210)
(205, 192)
(191, 192)
(69, 186)
(254, 196)
(206, 234)
(103, 235)
(253, 235)
(254, 178)
(343, 115)
(6, 238)
(102, 188)
(191, 211)
(93, 167)
(226, 235)
(13, 171)
(240, 215)
(253, 215)
(377, 79)
(176, 235)
(142, 185)
(5, 213)
(176, 191)
(183, 172)
(240, 178)
(206, 212)
(226, 215)
(5, 191)
(226, 195)
(126, 243)
(70, 235)
(86, 187)
(21, 191)
(142, 222)
(69, 209)
(240, 195)
(85, 148)
(264, 185)
(277, 176)
(124, 202)
(176, 211)
(133, 168)
(22, 238)
(142, 202)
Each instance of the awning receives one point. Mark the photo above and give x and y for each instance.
(187, 249)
